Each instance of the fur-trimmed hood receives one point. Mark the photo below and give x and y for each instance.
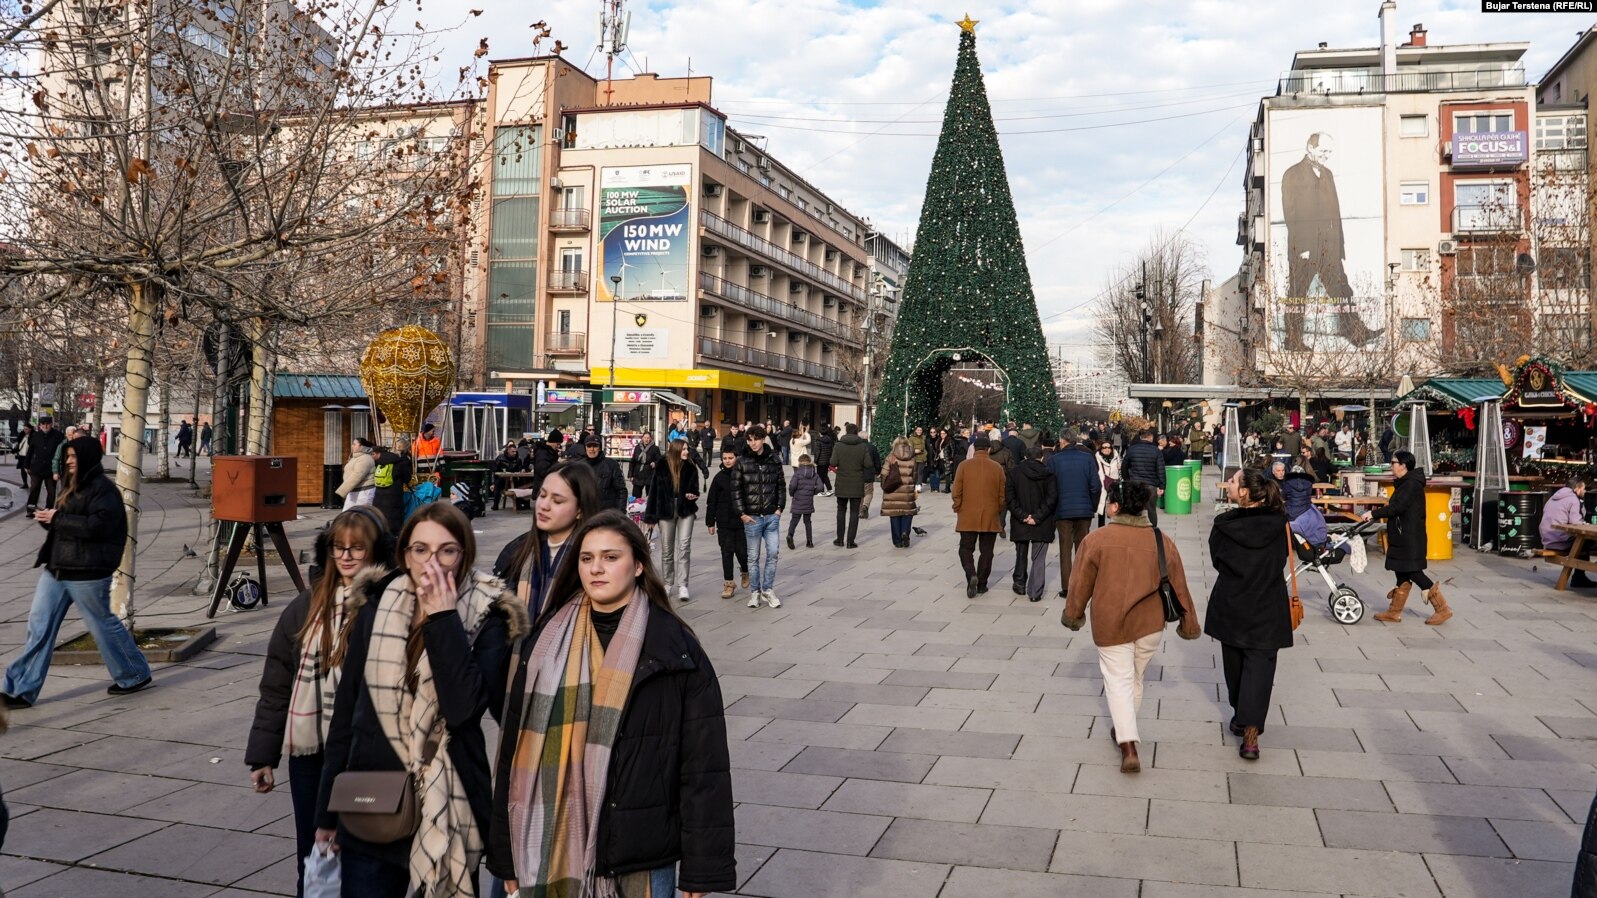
(374, 581)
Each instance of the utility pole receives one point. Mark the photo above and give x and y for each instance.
(1147, 320)
(615, 336)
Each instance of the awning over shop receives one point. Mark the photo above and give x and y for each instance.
(670, 398)
(680, 379)
(1454, 393)
(1542, 386)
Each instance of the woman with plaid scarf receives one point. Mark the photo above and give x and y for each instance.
(425, 659)
(302, 665)
(627, 794)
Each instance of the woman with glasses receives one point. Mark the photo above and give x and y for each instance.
(425, 658)
(303, 660)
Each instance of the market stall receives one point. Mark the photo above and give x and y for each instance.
(626, 415)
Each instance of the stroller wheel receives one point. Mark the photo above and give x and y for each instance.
(1346, 606)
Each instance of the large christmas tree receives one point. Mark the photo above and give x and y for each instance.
(968, 292)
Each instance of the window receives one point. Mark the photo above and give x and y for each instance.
(573, 197)
(1564, 267)
(1560, 132)
(1416, 330)
(1485, 121)
(570, 259)
(1415, 193)
(1416, 260)
(1413, 125)
(564, 325)
(568, 124)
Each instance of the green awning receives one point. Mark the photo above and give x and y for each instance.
(317, 386)
(1454, 393)
(1582, 384)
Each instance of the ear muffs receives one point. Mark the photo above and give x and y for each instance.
(382, 553)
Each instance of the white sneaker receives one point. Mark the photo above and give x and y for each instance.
(683, 595)
(772, 600)
(754, 599)
(917, 487)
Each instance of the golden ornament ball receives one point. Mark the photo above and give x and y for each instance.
(407, 371)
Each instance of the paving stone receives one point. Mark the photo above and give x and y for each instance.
(804, 874)
(1224, 758)
(836, 735)
(946, 650)
(1188, 890)
(1406, 701)
(87, 881)
(17, 774)
(989, 773)
(773, 687)
(792, 790)
(1078, 813)
(1538, 841)
(1147, 857)
(1027, 723)
(1520, 748)
(1309, 737)
(96, 790)
(964, 744)
(985, 700)
(1182, 785)
(873, 765)
(948, 719)
(197, 853)
(1420, 768)
(1411, 742)
(223, 807)
(939, 678)
(762, 755)
(16, 872)
(961, 805)
(985, 882)
(826, 831)
(1523, 774)
(1229, 822)
(811, 709)
(1004, 847)
(72, 836)
(1571, 727)
(1466, 877)
(1475, 801)
(1308, 792)
(1411, 833)
(1334, 870)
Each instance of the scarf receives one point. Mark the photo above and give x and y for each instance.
(310, 703)
(533, 590)
(558, 773)
(445, 852)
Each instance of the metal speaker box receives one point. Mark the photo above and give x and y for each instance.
(255, 489)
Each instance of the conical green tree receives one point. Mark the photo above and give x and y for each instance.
(968, 291)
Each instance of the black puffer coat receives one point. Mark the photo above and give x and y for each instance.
(1145, 463)
(667, 502)
(668, 797)
(1248, 606)
(86, 537)
(1404, 514)
(1031, 490)
(758, 486)
(612, 489)
(265, 747)
(825, 442)
(1586, 861)
(719, 510)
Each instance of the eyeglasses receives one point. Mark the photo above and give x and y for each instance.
(447, 554)
(350, 551)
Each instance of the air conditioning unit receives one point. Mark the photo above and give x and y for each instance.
(756, 325)
(713, 189)
(795, 337)
(795, 287)
(739, 146)
(858, 269)
(800, 236)
(555, 182)
(762, 216)
(830, 254)
(709, 311)
(759, 271)
(829, 209)
(558, 134)
(828, 301)
(1447, 247)
(710, 251)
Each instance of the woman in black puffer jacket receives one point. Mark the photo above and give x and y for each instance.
(86, 533)
(1406, 542)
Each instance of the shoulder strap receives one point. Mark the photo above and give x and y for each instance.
(1158, 541)
(1290, 557)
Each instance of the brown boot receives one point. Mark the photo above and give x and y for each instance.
(1440, 613)
(745, 579)
(727, 589)
(1129, 762)
(1398, 596)
(1249, 749)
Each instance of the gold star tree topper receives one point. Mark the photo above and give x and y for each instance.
(968, 23)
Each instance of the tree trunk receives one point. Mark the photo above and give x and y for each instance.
(144, 300)
(1303, 411)
(260, 430)
(99, 401)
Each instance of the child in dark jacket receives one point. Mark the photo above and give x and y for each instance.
(804, 486)
(726, 526)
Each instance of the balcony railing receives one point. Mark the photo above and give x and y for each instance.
(720, 226)
(566, 343)
(711, 348)
(1498, 219)
(568, 281)
(568, 219)
(772, 308)
(1371, 81)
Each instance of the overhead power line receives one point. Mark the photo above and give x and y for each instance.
(1098, 127)
(1105, 110)
(1118, 93)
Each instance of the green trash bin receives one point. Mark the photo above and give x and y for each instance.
(1196, 467)
(1178, 490)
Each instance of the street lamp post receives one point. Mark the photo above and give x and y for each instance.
(615, 300)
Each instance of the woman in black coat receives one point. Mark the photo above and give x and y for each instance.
(1032, 496)
(1406, 542)
(825, 442)
(1249, 610)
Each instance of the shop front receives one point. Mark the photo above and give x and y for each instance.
(721, 397)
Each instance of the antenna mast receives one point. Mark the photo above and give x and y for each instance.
(614, 23)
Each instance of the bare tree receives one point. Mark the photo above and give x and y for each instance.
(1150, 337)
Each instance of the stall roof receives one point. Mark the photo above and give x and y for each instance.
(670, 398)
(317, 386)
(1583, 383)
(1455, 392)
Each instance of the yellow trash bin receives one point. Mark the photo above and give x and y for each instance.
(1438, 521)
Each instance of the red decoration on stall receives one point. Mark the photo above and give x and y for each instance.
(1467, 415)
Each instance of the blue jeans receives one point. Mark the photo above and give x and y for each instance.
(766, 530)
(51, 599)
(901, 525)
(934, 478)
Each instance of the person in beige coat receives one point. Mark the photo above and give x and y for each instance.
(978, 501)
(1117, 571)
(359, 486)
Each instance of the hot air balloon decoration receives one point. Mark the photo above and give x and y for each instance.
(407, 371)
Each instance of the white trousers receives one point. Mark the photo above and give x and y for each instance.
(1122, 666)
(676, 549)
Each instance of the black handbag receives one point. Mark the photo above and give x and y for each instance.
(1167, 593)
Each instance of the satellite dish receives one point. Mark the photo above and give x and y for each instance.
(1525, 263)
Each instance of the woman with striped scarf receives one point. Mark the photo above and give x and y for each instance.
(302, 665)
(425, 659)
(629, 793)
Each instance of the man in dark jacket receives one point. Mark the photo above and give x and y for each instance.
(707, 440)
(1078, 487)
(784, 442)
(612, 488)
(545, 456)
(759, 494)
(958, 445)
(875, 468)
(645, 456)
(1032, 495)
(41, 455)
(1145, 464)
(720, 513)
(825, 441)
(392, 477)
(508, 462)
(853, 462)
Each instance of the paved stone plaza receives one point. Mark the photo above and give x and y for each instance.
(891, 737)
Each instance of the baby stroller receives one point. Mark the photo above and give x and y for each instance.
(1345, 541)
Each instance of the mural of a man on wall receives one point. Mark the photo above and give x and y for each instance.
(1316, 250)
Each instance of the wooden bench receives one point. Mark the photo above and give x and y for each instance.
(1572, 561)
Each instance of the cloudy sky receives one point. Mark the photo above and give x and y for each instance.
(1118, 118)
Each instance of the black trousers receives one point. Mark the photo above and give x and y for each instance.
(1249, 679)
(980, 569)
(1418, 578)
(847, 519)
(45, 482)
(733, 545)
(304, 782)
(825, 472)
(793, 522)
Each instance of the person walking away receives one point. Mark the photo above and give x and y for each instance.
(899, 499)
(391, 475)
(1117, 575)
(1144, 463)
(804, 485)
(41, 455)
(22, 457)
(823, 444)
(567, 496)
(1406, 544)
(359, 486)
(917, 441)
(851, 457)
(784, 438)
(1005, 457)
(612, 487)
(1567, 506)
(721, 516)
(185, 439)
(978, 499)
(85, 533)
(1249, 609)
(958, 446)
(673, 506)
(425, 657)
(759, 496)
(644, 765)
(640, 470)
(1109, 475)
(1078, 488)
(303, 661)
(1174, 455)
(205, 438)
(1029, 436)
(1032, 494)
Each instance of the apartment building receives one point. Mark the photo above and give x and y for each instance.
(1387, 225)
(634, 240)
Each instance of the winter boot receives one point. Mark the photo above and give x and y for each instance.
(1440, 613)
(1398, 596)
(727, 589)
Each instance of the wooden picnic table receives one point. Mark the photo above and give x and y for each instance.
(517, 496)
(1573, 562)
(1350, 505)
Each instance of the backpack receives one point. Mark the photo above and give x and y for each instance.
(383, 477)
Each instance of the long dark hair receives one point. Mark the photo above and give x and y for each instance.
(585, 488)
(89, 456)
(568, 580)
(447, 516)
(359, 524)
(1262, 489)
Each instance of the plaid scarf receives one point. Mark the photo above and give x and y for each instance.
(570, 716)
(446, 850)
(310, 704)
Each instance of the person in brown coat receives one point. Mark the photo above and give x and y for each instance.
(978, 501)
(898, 506)
(1117, 570)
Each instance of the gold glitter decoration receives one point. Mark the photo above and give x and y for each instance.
(407, 372)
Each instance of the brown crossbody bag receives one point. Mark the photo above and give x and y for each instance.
(381, 806)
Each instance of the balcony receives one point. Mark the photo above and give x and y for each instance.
(719, 226)
(566, 343)
(1482, 220)
(1411, 80)
(569, 219)
(711, 348)
(770, 307)
(568, 281)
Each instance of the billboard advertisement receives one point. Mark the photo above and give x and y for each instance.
(645, 231)
(1490, 150)
(1327, 229)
